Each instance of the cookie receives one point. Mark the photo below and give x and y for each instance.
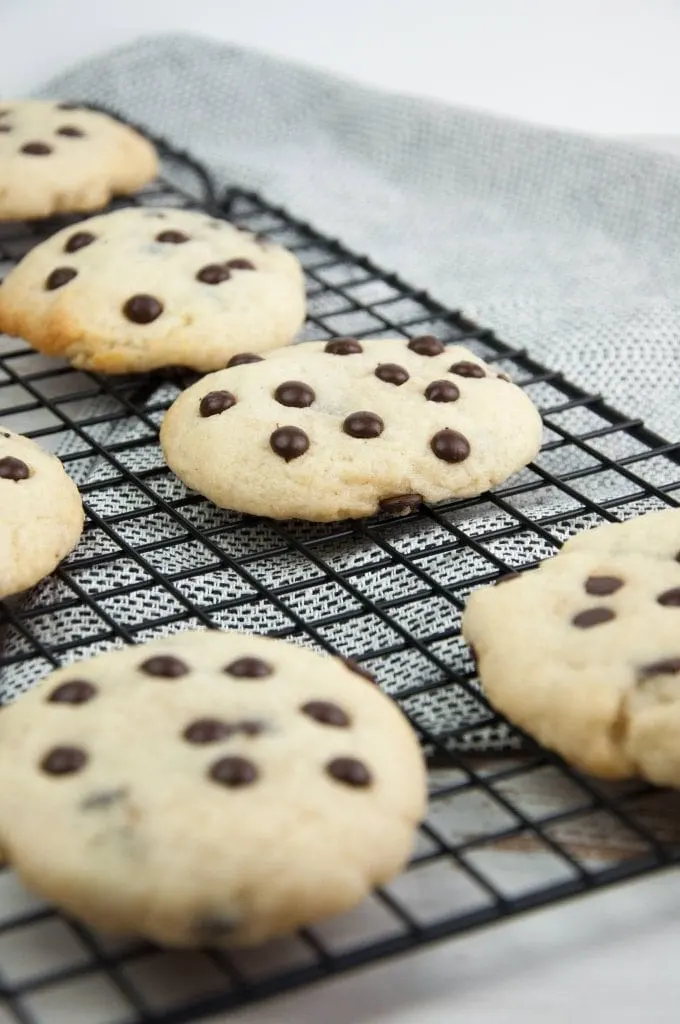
(584, 652)
(343, 429)
(209, 788)
(62, 158)
(41, 514)
(140, 289)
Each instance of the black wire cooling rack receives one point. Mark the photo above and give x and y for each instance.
(505, 831)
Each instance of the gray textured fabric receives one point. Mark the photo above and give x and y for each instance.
(567, 245)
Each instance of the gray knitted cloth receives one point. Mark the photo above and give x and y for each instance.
(566, 245)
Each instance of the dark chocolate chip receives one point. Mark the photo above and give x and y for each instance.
(601, 586)
(391, 373)
(233, 771)
(167, 666)
(241, 358)
(363, 424)
(294, 393)
(79, 241)
(212, 927)
(36, 149)
(213, 273)
(326, 713)
(343, 347)
(13, 469)
(450, 446)
(507, 577)
(665, 667)
(426, 345)
(289, 442)
(670, 598)
(592, 617)
(216, 402)
(64, 761)
(142, 309)
(78, 691)
(69, 106)
(59, 277)
(104, 798)
(400, 504)
(358, 669)
(442, 391)
(467, 369)
(240, 265)
(5, 112)
(173, 237)
(5, 128)
(207, 730)
(71, 132)
(350, 771)
(249, 668)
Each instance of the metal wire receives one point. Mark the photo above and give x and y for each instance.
(461, 876)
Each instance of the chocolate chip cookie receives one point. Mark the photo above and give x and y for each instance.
(584, 652)
(208, 788)
(41, 514)
(138, 289)
(62, 158)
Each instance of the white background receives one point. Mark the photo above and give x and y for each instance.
(597, 65)
(607, 66)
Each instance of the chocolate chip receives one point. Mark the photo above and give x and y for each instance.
(400, 504)
(36, 149)
(391, 373)
(289, 442)
(240, 265)
(71, 132)
(363, 424)
(350, 771)
(212, 927)
(294, 393)
(167, 666)
(103, 799)
(507, 577)
(69, 106)
(467, 369)
(326, 713)
(207, 730)
(667, 666)
(343, 347)
(249, 668)
(441, 391)
(59, 277)
(592, 617)
(450, 446)
(215, 402)
(5, 128)
(670, 598)
(13, 469)
(64, 761)
(242, 358)
(233, 771)
(5, 112)
(79, 241)
(601, 586)
(78, 691)
(142, 309)
(173, 237)
(213, 273)
(426, 345)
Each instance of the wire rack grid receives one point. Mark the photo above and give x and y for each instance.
(505, 831)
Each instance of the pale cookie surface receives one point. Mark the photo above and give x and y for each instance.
(139, 289)
(208, 788)
(41, 513)
(584, 652)
(60, 158)
(328, 430)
